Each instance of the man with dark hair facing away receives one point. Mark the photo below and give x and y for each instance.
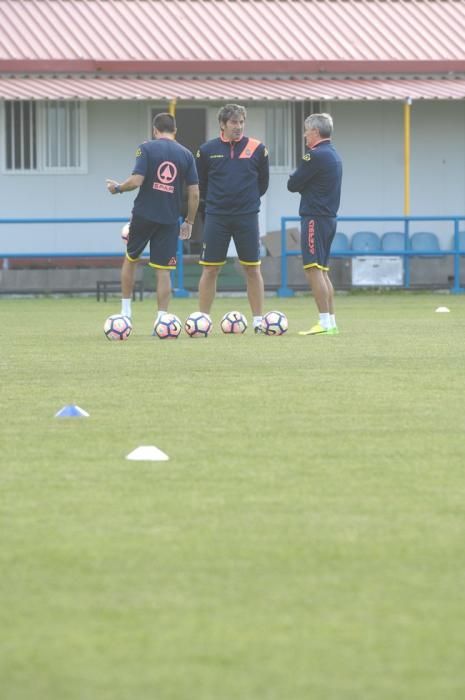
(161, 169)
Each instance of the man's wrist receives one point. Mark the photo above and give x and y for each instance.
(118, 189)
(191, 223)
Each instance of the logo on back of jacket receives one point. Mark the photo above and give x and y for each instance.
(166, 174)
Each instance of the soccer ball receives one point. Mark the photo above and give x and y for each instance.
(198, 325)
(125, 232)
(117, 327)
(233, 322)
(167, 326)
(274, 323)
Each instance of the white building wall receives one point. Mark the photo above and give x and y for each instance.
(113, 132)
(368, 135)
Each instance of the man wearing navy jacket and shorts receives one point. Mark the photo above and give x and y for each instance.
(233, 174)
(318, 180)
(161, 169)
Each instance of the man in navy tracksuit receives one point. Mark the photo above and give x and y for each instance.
(318, 180)
(233, 174)
(161, 169)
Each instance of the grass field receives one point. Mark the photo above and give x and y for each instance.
(306, 540)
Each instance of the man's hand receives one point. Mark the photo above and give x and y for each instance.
(111, 186)
(185, 231)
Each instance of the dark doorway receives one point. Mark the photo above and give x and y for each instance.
(192, 127)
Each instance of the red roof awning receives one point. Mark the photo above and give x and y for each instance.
(245, 31)
(214, 88)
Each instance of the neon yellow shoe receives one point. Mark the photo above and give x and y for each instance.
(315, 330)
(333, 331)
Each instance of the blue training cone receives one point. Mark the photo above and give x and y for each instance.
(71, 411)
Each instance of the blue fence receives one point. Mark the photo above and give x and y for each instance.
(406, 253)
(177, 277)
(284, 290)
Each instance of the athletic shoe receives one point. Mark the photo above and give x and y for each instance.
(315, 330)
(333, 331)
(257, 330)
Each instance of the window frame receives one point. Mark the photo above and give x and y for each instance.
(41, 141)
(289, 130)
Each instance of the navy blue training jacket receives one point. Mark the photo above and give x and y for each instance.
(318, 180)
(232, 175)
(166, 166)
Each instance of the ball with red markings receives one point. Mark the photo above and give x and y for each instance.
(167, 327)
(198, 325)
(233, 322)
(117, 327)
(125, 232)
(274, 323)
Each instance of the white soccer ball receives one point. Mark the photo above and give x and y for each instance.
(233, 322)
(198, 325)
(125, 232)
(117, 327)
(167, 327)
(274, 323)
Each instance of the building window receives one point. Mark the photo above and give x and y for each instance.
(44, 136)
(21, 135)
(62, 134)
(280, 135)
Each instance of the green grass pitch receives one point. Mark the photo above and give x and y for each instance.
(306, 539)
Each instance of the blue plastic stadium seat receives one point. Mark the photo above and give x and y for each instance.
(340, 243)
(424, 242)
(393, 240)
(366, 241)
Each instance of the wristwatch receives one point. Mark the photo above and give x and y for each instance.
(118, 189)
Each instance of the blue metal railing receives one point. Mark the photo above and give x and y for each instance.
(284, 290)
(406, 253)
(177, 276)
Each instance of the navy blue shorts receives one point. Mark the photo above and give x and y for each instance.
(163, 239)
(316, 236)
(218, 231)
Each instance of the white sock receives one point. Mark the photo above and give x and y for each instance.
(324, 321)
(160, 313)
(332, 321)
(257, 320)
(126, 307)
